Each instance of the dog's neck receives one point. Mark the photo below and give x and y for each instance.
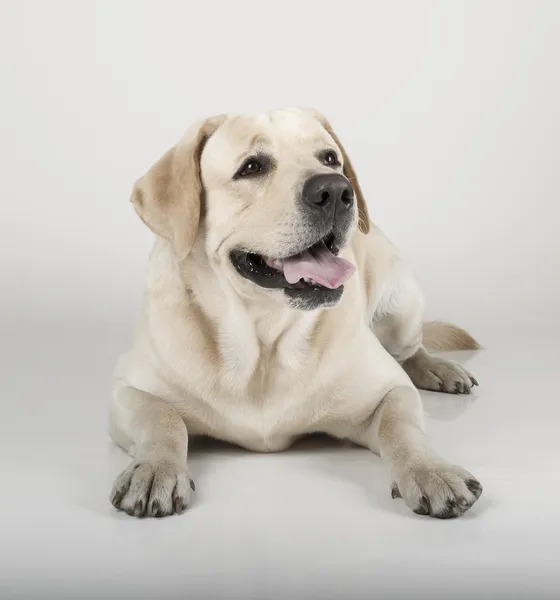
(235, 316)
(252, 342)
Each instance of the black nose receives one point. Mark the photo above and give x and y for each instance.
(328, 192)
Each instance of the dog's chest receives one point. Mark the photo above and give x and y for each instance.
(266, 384)
(261, 398)
(261, 424)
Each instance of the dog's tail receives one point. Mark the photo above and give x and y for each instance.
(444, 337)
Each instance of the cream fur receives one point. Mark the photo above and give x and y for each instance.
(216, 355)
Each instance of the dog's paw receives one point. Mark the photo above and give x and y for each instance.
(439, 375)
(437, 489)
(152, 488)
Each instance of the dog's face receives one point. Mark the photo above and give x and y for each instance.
(277, 201)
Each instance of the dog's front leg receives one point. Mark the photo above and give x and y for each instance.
(157, 482)
(427, 483)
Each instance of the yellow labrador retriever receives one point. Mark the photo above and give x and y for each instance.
(273, 309)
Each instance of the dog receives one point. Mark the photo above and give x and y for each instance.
(274, 308)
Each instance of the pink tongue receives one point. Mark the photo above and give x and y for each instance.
(319, 264)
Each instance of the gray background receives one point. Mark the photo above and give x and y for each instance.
(449, 110)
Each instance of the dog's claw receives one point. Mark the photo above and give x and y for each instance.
(424, 508)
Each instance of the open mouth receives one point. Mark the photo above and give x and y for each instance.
(317, 268)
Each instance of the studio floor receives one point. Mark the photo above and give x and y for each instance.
(316, 521)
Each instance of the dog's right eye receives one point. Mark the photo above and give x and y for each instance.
(250, 167)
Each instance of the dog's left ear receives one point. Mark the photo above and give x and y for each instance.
(363, 214)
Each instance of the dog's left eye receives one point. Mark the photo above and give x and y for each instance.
(250, 167)
(330, 159)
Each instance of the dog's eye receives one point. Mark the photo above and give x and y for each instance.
(330, 159)
(251, 167)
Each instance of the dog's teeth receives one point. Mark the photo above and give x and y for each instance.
(274, 263)
(309, 281)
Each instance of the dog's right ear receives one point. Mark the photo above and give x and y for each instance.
(167, 198)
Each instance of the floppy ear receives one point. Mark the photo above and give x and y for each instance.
(363, 214)
(167, 198)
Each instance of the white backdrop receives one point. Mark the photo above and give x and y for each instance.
(450, 111)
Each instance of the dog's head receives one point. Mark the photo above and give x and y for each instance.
(274, 195)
